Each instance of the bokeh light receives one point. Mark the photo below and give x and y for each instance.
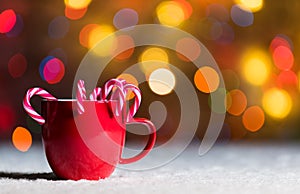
(170, 13)
(153, 58)
(277, 103)
(85, 34)
(52, 70)
(218, 12)
(241, 16)
(123, 42)
(58, 27)
(8, 20)
(189, 48)
(75, 14)
(186, 7)
(17, 65)
(237, 102)
(7, 117)
(22, 139)
(280, 40)
(210, 28)
(99, 33)
(162, 81)
(227, 36)
(283, 58)
(125, 18)
(206, 79)
(253, 118)
(77, 4)
(18, 28)
(129, 79)
(287, 79)
(253, 5)
(256, 67)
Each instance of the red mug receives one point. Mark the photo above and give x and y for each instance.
(88, 145)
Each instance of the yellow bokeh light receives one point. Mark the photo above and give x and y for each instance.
(253, 5)
(256, 67)
(98, 34)
(170, 13)
(22, 139)
(162, 81)
(277, 103)
(77, 4)
(153, 58)
(206, 79)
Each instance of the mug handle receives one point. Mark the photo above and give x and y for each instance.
(150, 144)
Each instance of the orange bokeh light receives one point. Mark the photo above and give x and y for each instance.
(253, 118)
(22, 139)
(206, 79)
(75, 14)
(238, 102)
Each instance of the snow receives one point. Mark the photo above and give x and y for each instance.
(228, 168)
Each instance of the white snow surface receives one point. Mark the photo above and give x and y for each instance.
(228, 168)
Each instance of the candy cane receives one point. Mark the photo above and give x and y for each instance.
(80, 96)
(95, 94)
(119, 84)
(137, 100)
(27, 106)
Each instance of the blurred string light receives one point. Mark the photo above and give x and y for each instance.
(277, 103)
(236, 102)
(75, 14)
(241, 16)
(256, 66)
(121, 43)
(91, 34)
(162, 81)
(188, 48)
(283, 58)
(129, 79)
(170, 13)
(17, 65)
(8, 20)
(77, 4)
(206, 79)
(253, 5)
(52, 70)
(18, 27)
(287, 79)
(125, 18)
(153, 58)
(22, 139)
(280, 40)
(253, 118)
(58, 27)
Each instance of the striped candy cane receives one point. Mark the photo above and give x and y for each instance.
(27, 106)
(95, 94)
(80, 96)
(137, 100)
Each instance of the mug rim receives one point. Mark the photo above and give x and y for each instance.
(74, 100)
